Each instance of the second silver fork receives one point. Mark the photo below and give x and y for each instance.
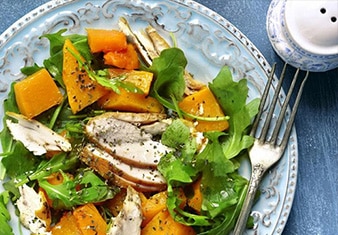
(267, 150)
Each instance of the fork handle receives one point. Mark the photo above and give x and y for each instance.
(256, 177)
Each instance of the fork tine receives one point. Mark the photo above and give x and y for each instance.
(293, 113)
(267, 122)
(280, 119)
(263, 101)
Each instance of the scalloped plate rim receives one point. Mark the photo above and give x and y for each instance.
(49, 7)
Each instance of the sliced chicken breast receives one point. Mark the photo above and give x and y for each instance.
(129, 219)
(138, 118)
(125, 141)
(124, 183)
(35, 136)
(34, 210)
(106, 165)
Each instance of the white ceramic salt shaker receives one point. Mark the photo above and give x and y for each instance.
(304, 33)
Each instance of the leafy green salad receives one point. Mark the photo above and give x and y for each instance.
(216, 166)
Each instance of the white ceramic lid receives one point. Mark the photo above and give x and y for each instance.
(313, 25)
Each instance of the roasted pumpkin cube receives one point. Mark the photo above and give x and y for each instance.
(81, 90)
(89, 220)
(66, 225)
(37, 93)
(163, 223)
(124, 59)
(140, 79)
(204, 104)
(130, 102)
(104, 40)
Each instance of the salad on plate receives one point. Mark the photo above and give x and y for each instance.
(113, 135)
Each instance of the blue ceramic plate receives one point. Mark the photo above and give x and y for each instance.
(209, 42)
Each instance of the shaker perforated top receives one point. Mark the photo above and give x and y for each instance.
(313, 25)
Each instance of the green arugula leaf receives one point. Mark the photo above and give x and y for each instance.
(169, 69)
(58, 162)
(218, 191)
(85, 188)
(238, 139)
(4, 215)
(19, 160)
(9, 105)
(232, 97)
(29, 70)
(177, 174)
(214, 157)
(176, 134)
(225, 223)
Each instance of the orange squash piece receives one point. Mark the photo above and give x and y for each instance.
(153, 205)
(102, 40)
(195, 201)
(141, 79)
(157, 203)
(44, 213)
(81, 90)
(163, 224)
(66, 225)
(124, 59)
(37, 93)
(89, 220)
(130, 102)
(204, 104)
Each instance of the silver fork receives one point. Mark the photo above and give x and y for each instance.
(266, 151)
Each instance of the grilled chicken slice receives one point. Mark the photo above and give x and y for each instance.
(129, 219)
(106, 165)
(159, 43)
(138, 118)
(156, 128)
(34, 210)
(147, 54)
(124, 183)
(125, 141)
(35, 136)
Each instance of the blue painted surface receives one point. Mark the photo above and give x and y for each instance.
(315, 207)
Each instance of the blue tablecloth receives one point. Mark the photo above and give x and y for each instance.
(315, 207)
